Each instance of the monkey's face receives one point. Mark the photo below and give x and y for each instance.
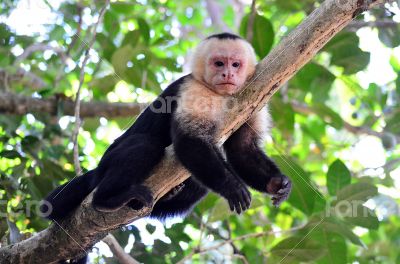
(224, 65)
(226, 73)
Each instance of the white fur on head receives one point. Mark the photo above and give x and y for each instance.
(213, 46)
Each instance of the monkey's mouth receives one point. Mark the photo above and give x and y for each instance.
(227, 83)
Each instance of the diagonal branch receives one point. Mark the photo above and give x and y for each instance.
(87, 226)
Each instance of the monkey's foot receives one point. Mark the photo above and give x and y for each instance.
(174, 192)
(280, 188)
(141, 198)
(137, 197)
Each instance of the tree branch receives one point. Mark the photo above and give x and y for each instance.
(215, 13)
(20, 105)
(355, 25)
(21, 76)
(118, 251)
(87, 226)
(77, 111)
(358, 130)
(250, 22)
(205, 250)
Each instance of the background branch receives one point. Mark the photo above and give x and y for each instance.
(11, 103)
(358, 130)
(355, 25)
(75, 134)
(250, 23)
(118, 251)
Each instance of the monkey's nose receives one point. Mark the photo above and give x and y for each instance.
(227, 76)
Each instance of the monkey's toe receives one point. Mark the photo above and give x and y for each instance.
(280, 188)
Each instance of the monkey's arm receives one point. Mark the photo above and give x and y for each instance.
(196, 151)
(254, 167)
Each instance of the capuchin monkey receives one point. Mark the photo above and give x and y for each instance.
(188, 114)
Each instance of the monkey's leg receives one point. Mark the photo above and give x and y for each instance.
(180, 204)
(254, 167)
(125, 168)
(64, 199)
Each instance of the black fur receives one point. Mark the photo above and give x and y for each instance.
(124, 165)
(224, 35)
(129, 160)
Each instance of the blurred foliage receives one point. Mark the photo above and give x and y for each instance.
(339, 212)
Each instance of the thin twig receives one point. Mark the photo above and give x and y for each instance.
(250, 22)
(239, 238)
(386, 23)
(72, 44)
(118, 251)
(305, 109)
(40, 47)
(81, 81)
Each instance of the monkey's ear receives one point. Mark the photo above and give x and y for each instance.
(198, 60)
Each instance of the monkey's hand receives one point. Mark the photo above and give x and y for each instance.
(280, 188)
(238, 196)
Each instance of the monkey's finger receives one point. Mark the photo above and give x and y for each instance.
(231, 206)
(238, 208)
(247, 198)
(245, 201)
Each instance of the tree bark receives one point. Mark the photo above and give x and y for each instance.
(87, 226)
(18, 104)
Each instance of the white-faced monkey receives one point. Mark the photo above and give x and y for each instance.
(190, 122)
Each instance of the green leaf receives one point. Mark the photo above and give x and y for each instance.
(346, 53)
(304, 194)
(31, 145)
(107, 46)
(362, 216)
(398, 84)
(104, 85)
(123, 7)
(220, 211)
(10, 123)
(131, 38)
(121, 57)
(279, 109)
(335, 246)
(332, 225)
(91, 124)
(58, 32)
(328, 115)
(150, 228)
(337, 177)
(111, 23)
(393, 122)
(316, 79)
(10, 154)
(298, 248)
(360, 191)
(144, 29)
(395, 63)
(207, 203)
(263, 34)
(390, 36)
(161, 248)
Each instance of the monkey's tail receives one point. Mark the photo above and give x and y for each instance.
(64, 199)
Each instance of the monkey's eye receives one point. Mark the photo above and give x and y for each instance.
(236, 64)
(219, 63)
